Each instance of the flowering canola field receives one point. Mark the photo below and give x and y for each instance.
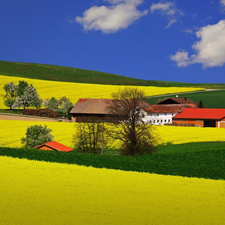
(33, 192)
(12, 131)
(74, 91)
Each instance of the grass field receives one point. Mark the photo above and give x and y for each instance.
(210, 99)
(74, 91)
(201, 159)
(48, 193)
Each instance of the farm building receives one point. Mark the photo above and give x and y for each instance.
(54, 146)
(202, 117)
(163, 114)
(178, 100)
(89, 110)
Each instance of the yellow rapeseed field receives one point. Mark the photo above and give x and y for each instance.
(74, 91)
(12, 131)
(33, 192)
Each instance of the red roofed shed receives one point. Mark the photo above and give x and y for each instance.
(203, 117)
(54, 146)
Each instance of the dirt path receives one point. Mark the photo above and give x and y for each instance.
(26, 118)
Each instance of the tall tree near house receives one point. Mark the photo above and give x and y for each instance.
(36, 135)
(128, 126)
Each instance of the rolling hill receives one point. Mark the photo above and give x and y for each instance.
(69, 74)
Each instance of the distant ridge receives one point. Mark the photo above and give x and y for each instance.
(70, 74)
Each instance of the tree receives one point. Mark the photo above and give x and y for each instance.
(53, 104)
(21, 87)
(10, 94)
(36, 135)
(29, 97)
(67, 106)
(89, 137)
(128, 126)
(200, 104)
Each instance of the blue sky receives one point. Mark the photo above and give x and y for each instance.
(153, 40)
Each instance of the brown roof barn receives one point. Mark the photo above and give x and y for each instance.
(54, 146)
(93, 110)
(178, 100)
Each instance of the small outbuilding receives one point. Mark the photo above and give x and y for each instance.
(179, 101)
(202, 117)
(54, 146)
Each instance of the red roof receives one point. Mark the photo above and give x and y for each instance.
(201, 113)
(56, 146)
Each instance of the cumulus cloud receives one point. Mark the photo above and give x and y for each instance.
(210, 49)
(169, 9)
(109, 19)
(222, 3)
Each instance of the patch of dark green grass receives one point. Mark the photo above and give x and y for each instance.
(210, 99)
(182, 160)
(11, 111)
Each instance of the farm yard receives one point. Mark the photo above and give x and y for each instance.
(183, 183)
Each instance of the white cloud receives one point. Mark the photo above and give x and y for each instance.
(109, 19)
(210, 49)
(169, 9)
(222, 3)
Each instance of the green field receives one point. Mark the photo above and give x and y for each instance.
(203, 160)
(210, 99)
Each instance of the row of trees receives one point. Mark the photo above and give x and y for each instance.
(25, 95)
(21, 95)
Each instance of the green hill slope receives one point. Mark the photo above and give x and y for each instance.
(68, 74)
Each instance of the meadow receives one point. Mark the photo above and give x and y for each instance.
(74, 91)
(210, 99)
(34, 192)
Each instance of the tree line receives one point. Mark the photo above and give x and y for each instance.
(25, 95)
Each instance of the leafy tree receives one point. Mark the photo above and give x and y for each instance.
(36, 135)
(21, 87)
(128, 126)
(89, 137)
(67, 106)
(29, 97)
(53, 104)
(10, 94)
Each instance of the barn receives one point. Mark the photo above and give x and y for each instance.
(86, 110)
(202, 117)
(54, 146)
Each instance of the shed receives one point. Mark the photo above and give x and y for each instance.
(54, 146)
(178, 100)
(203, 117)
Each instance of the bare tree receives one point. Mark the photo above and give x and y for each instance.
(127, 113)
(89, 137)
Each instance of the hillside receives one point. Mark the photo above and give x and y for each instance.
(69, 74)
